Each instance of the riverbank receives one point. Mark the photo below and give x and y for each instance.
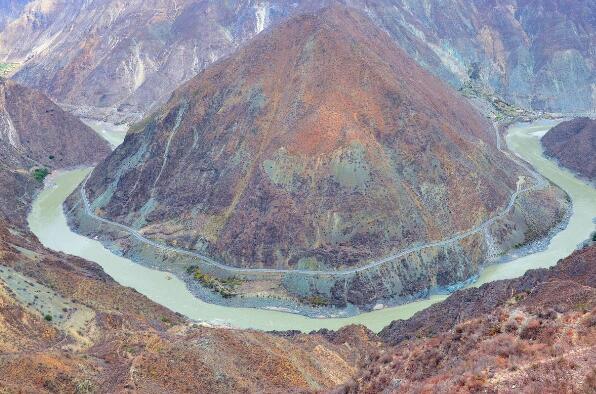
(438, 267)
(148, 280)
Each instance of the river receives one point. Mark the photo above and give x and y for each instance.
(48, 222)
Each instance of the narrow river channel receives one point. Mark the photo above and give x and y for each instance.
(48, 222)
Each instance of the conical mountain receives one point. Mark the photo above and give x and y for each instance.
(317, 144)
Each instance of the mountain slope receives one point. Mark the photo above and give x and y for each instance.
(41, 132)
(536, 332)
(123, 58)
(319, 143)
(573, 144)
(9, 10)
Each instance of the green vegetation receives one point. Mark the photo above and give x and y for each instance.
(316, 300)
(225, 287)
(48, 317)
(594, 237)
(7, 68)
(40, 174)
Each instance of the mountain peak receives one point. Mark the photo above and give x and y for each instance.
(319, 142)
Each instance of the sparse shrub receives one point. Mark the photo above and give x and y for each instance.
(386, 358)
(225, 287)
(39, 174)
(511, 326)
(84, 387)
(48, 317)
(494, 330)
(531, 330)
(590, 382)
(315, 300)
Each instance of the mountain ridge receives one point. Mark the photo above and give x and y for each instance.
(518, 49)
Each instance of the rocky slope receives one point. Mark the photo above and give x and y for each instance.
(275, 157)
(10, 10)
(122, 57)
(536, 333)
(573, 144)
(42, 133)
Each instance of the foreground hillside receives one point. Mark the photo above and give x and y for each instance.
(532, 334)
(573, 144)
(123, 57)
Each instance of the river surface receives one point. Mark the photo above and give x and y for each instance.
(48, 222)
(112, 133)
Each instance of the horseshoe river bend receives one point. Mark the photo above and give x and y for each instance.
(48, 223)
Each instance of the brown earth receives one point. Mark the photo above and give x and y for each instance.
(318, 144)
(573, 144)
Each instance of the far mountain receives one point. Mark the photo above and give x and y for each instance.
(106, 57)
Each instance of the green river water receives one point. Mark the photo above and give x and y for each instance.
(48, 222)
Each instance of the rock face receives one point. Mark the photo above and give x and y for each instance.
(573, 144)
(278, 157)
(39, 131)
(122, 57)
